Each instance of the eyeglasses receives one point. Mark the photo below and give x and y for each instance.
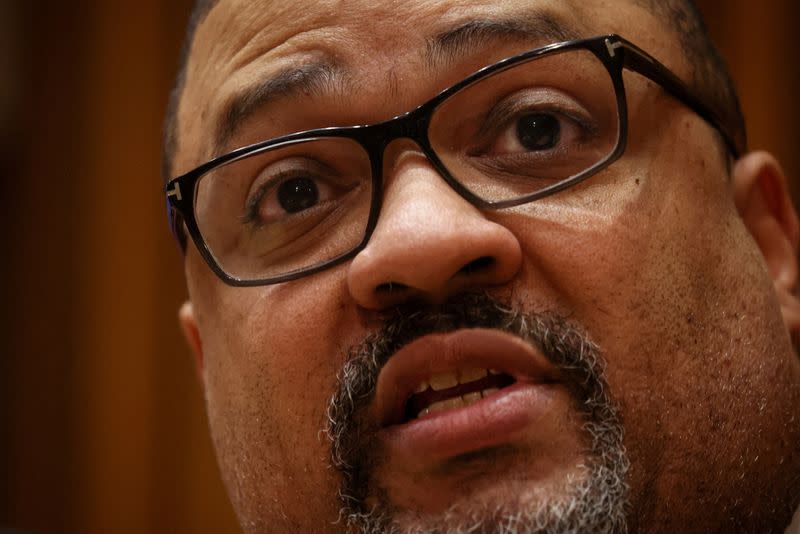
(516, 131)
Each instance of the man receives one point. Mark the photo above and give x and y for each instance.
(559, 296)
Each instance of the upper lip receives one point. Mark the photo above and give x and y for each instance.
(438, 353)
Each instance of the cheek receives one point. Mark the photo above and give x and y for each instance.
(673, 290)
(271, 355)
(643, 265)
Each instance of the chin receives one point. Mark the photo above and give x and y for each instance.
(479, 495)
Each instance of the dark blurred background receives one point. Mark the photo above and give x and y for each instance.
(101, 419)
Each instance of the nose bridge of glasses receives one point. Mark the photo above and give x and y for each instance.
(412, 125)
(405, 135)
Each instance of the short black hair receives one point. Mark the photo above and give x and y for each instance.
(170, 142)
(710, 78)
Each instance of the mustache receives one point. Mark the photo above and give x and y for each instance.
(352, 434)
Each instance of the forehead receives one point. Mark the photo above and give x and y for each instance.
(378, 43)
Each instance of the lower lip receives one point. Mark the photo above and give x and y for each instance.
(495, 420)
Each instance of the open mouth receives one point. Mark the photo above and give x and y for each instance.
(450, 371)
(454, 389)
(449, 394)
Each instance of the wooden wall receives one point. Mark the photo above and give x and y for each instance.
(101, 421)
(103, 428)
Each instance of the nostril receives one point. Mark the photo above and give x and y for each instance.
(483, 263)
(390, 287)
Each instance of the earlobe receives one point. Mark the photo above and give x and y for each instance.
(191, 333)
(763, 202)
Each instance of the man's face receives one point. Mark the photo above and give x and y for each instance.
(648, 261)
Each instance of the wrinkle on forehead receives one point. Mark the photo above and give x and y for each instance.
(236, 32)
(241, 41)
(226, 48)
(456, 42)
(325, 77)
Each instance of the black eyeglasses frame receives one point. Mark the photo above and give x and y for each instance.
(616, 54)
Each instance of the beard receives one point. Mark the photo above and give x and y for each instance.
(596, 502)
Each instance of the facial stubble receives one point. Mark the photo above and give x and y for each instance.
(597, 502)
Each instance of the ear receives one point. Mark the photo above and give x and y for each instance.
(763, 201)
(191, 333)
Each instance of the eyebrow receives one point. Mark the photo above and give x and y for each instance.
(312, 78)
(443, 49)
(534, 27)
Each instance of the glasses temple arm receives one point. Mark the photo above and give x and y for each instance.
(175, 220)
(637, 60)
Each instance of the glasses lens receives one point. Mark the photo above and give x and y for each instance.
(530, 127)
(287, 208)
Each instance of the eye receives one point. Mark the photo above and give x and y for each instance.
(298, 194)
(287, 194)
(538, 131)
(534, 123)
(297, 187)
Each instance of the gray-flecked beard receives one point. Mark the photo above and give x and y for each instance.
(597, 502)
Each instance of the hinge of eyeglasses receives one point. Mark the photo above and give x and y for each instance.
(612, 49)
(175, 192)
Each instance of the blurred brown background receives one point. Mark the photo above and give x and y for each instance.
(101, 420)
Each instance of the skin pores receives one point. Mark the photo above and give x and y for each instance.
(654, 263)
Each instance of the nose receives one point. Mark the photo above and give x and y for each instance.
(429, 243)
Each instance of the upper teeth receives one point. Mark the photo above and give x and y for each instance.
(451, 379)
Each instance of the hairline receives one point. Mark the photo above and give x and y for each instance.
(199, 13)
